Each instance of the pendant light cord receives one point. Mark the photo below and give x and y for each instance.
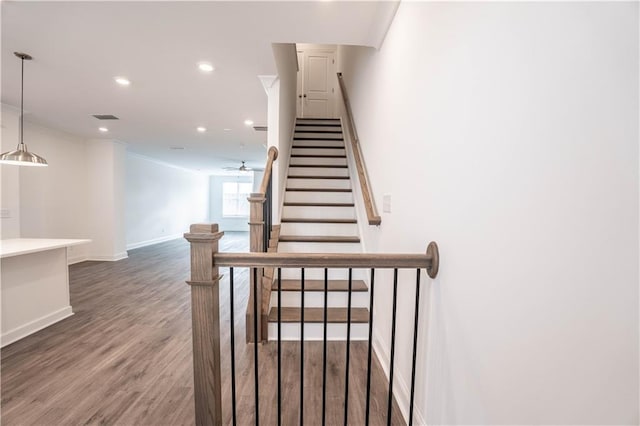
(21, 103)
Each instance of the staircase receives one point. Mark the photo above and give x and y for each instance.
(319, 216)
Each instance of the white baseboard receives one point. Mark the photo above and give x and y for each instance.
(153, 241)
(77, 259)
(401, 391)
(35, 325)
(114, 258)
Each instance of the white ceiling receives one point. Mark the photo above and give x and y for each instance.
(78, 47)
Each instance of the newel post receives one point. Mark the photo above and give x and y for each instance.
(205, 315)
(256, 242)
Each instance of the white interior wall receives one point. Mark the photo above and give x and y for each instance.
(286, 62)
(508, 133)
(53, 200)
(162, 201)
(226, 223)
(10, 175)
(79, 195)
(105, 197)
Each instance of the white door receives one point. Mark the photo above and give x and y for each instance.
(299, 98)
(316, 83)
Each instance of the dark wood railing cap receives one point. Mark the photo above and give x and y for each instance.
(214, 281)
(203, 237)
(325, 260)
(203, 232)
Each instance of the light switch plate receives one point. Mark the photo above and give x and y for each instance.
(386, 203)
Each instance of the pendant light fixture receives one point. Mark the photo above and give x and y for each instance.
(22, 157)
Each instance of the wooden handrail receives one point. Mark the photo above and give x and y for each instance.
(372, 214)
(259, 234)
(272, 155)
(429, 261)
(205, 281)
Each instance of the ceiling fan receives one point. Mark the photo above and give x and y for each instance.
(242, 168)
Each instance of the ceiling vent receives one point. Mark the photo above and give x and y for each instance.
(260, 128)
(105, 117)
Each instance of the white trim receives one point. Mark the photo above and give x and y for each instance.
(34, 326)
(286, 176)
(153, 241)
(354, 179)
(77, 259)
(114, 258)
(268, 81)
(401, 391)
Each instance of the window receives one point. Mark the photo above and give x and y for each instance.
(234, 199)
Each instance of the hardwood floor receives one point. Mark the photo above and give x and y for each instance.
(125, 356)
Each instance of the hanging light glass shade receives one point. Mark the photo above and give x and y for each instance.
(21, 156)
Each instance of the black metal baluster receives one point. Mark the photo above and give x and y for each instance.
(366, 422)
(324, 348)
(393, 346)
(346, 374)
(279, 347)
(415, 348)
(233, 347)
(265, 219)
(302, 349)
(255, 344)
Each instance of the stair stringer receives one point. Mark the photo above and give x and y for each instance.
(361, 213)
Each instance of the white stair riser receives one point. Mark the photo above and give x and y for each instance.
(319, 183)
(320, 136)
(289, 247)
(315, 299)
(315, 212)
(333, 229)
(336, 128)
(314, 331)
(317, 171)
(334, 121)
(318, 197)
(302, 161)
(318, 274)
(318, 151)
(324, 143)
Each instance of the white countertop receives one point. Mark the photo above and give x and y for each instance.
(19, 246)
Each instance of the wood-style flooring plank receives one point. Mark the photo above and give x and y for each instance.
(125, 357)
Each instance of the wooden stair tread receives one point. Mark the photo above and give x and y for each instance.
(319, 189)
(334, 315)
(318, 124)
(322, 166)
(317, 139)
(296, 204)
(316, 177)
(317, 147)
(317, 156)
(318, 285)
(317, 239)
(305, 220)
(317, 131)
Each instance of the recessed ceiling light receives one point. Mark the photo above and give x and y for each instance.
(176, 148)
(103, 129)
(123, 81)
(205, 66)
(227, 130)
(248, 122)
(201, 129)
